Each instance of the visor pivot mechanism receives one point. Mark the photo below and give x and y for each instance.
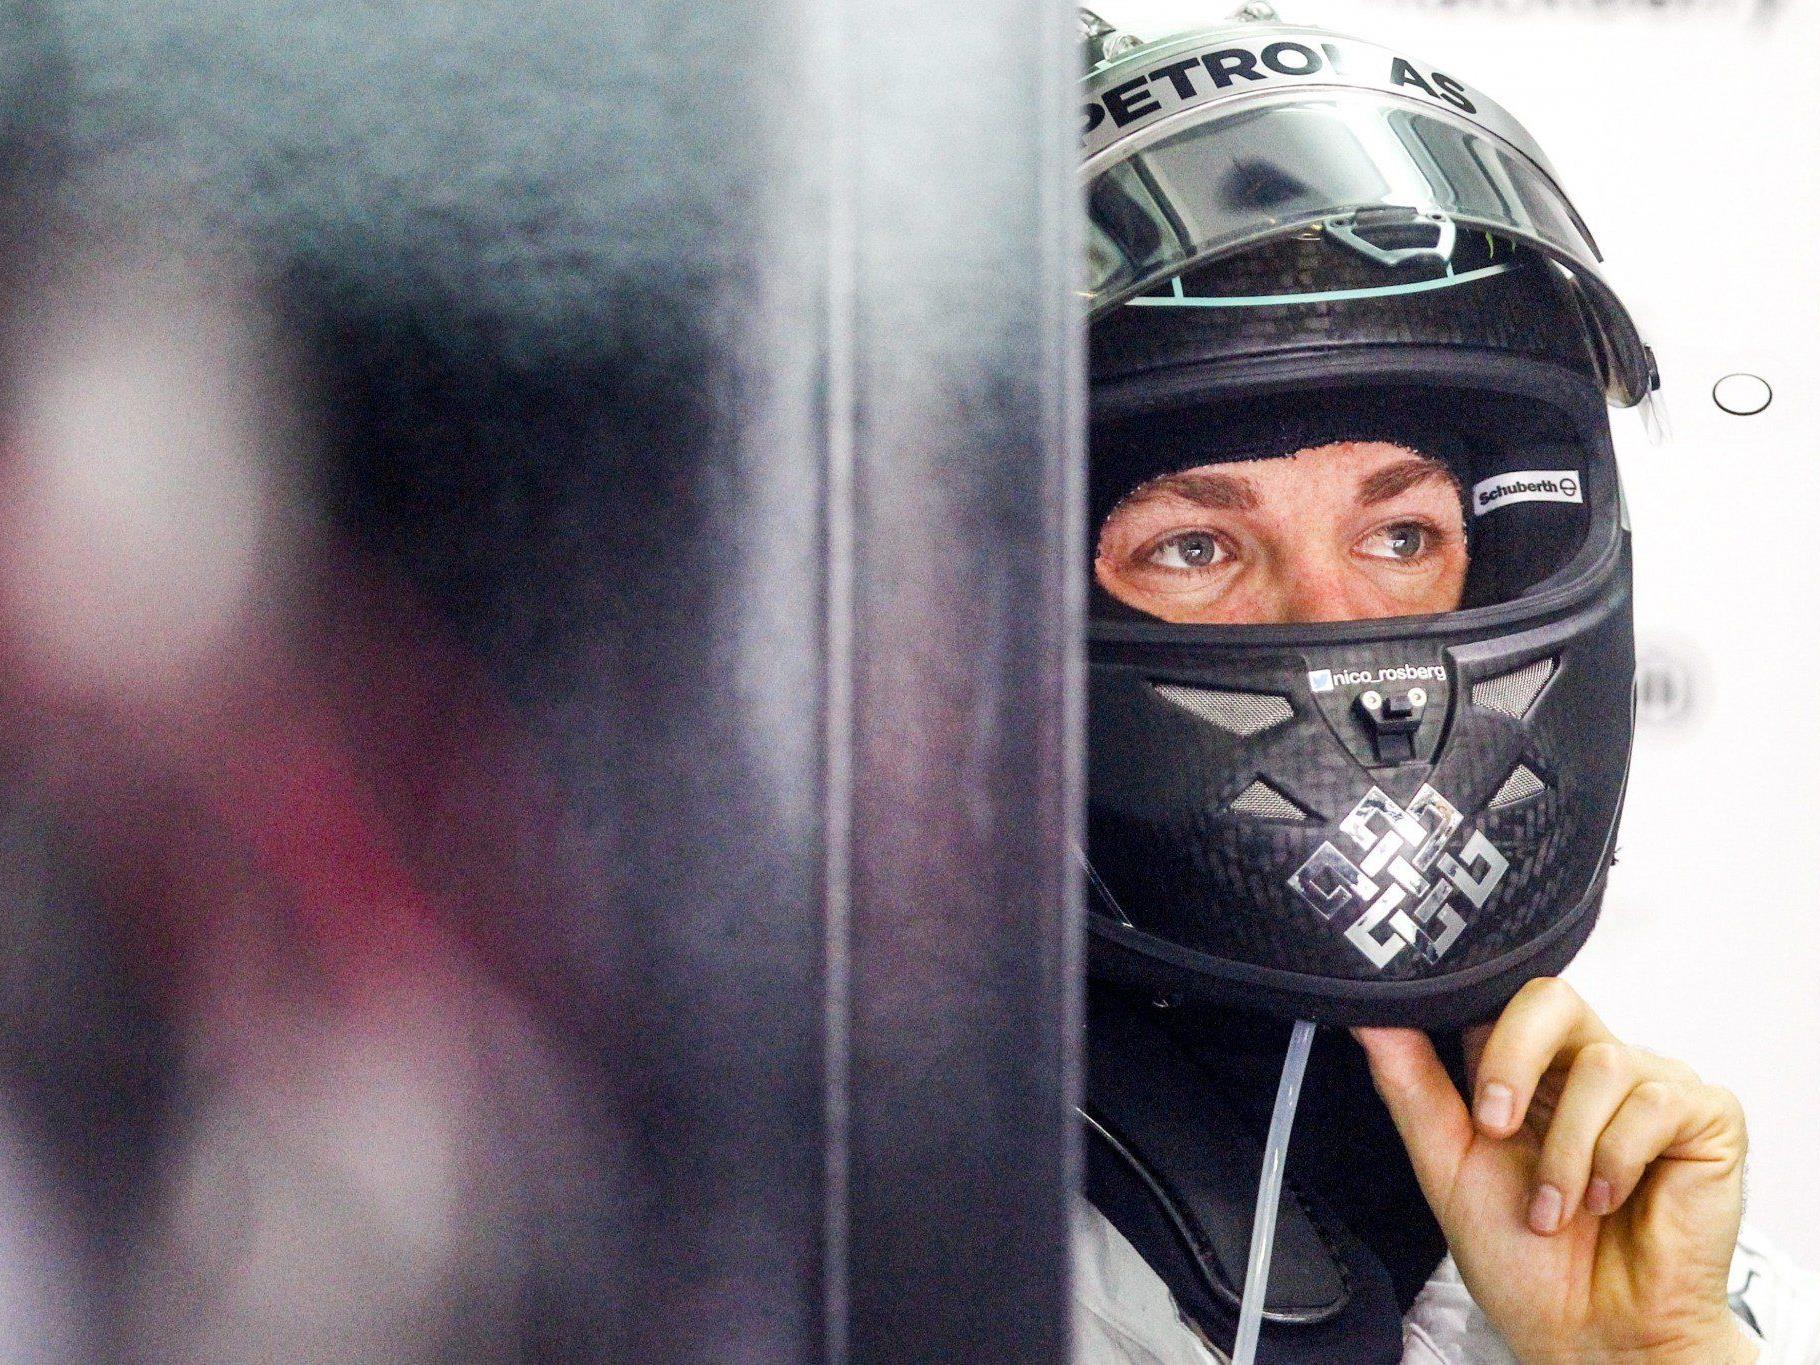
(1104, 43)
(1393, 720)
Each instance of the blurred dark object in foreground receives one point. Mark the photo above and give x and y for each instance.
(535, 667)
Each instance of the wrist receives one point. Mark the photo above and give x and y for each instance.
(1729, 1344)
(1725, 1343)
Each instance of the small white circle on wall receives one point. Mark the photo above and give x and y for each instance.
(1742, 395)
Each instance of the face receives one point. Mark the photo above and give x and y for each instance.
(1341, 532)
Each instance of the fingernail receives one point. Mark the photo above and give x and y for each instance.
(1495, 1105)
(1598, 1196)
(1545, 1210)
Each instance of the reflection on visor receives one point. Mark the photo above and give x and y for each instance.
(1236, 180)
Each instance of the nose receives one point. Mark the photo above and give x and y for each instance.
(1318, 587)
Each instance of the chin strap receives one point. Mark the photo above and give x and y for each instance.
(1270, 1187)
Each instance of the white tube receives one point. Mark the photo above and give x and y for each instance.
(1270, 1186)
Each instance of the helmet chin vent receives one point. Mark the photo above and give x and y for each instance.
(1519, 786)
(1265, 802)
(1238, 713)
(1512, 694)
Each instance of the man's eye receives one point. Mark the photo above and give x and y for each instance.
(1189, 550)
(1405, 540)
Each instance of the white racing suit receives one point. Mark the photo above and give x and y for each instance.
(1124, 1315)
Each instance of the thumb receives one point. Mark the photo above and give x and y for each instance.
(1431, 1117)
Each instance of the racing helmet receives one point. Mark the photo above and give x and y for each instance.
(1298, 239)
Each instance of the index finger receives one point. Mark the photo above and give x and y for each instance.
(1545, 1018)
(1427, 1110)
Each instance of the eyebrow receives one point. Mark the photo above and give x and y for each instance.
(1219, 492)
(1394, 480)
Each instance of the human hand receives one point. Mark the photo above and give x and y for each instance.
(1592, 1198)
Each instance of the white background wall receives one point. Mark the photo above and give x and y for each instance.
(1688, 134)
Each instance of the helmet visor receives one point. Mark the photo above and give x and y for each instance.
(1394, 180)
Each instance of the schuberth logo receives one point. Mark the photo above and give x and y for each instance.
(1405, 882)
(1526, 485)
